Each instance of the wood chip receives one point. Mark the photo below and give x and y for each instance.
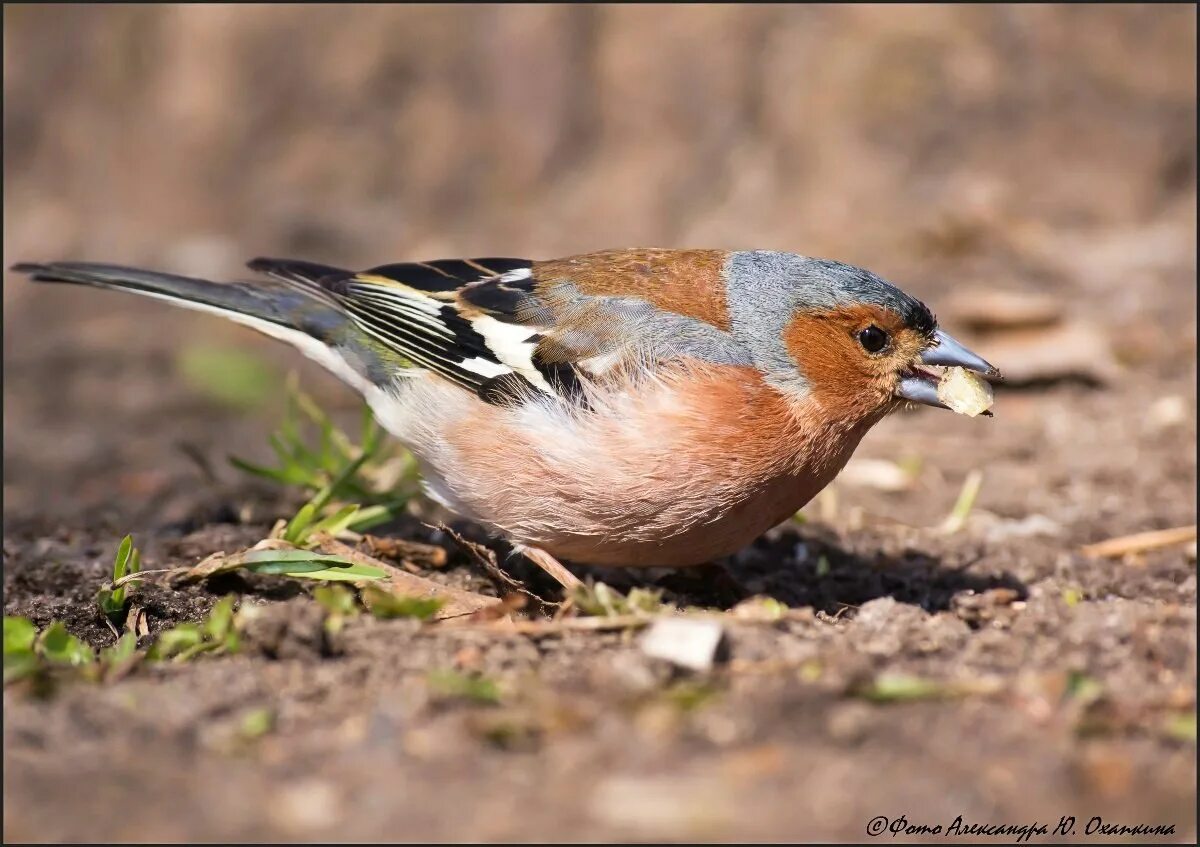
(1140, 542)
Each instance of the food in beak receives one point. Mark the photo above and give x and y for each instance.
(964, 392)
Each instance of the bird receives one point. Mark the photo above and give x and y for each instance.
(621, 408)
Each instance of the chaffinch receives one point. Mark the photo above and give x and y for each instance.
(626, 408)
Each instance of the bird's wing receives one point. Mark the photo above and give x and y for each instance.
(504, 327)
(411, 310)
(639, 307)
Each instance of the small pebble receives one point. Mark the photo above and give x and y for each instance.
(687, 642)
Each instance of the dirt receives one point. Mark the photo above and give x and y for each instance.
(593, 740)
(1044, 683)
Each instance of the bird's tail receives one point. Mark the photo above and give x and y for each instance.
(290, 310)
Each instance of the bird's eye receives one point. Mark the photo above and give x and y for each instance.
(873, 339)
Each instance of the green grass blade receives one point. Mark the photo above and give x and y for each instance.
(122, 650)
(19, 665)
(373, 516)
(284, 476)
(354, 573)
(260, 556)
(384, 604)
(220, 619)
(283, 447)
(287, 568)
(328, 429)
(108, 601)
(306, 564)
(899, 687)
(297, 526)
(452, 684)
(337, 522)
(371, 434)
(122, 559)
(19, 634)
(322, 498)
(175, 640)
(58, 645)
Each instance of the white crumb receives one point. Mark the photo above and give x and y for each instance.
(965, 392)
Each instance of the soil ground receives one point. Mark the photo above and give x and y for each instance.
(591, 739)
(959, 150)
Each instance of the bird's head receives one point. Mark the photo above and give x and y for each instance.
(825, 331)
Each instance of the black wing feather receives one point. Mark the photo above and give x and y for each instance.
(413, 308)
(444, 275)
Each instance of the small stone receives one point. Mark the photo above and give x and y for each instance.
(306, 805)
(687, 642)
(1167, 412)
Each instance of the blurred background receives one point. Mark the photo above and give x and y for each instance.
(1029, 171)
(965, 152)
(193, 135)
(952, 149)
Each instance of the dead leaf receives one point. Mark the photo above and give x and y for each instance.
(220, 562)
(135, 621)
(206, 567)
(400, 549)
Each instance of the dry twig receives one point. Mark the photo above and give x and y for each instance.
(1140, 542)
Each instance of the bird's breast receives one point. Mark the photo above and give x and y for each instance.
(673, 471)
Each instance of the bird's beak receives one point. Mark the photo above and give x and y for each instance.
(920, 386)
(949, 353)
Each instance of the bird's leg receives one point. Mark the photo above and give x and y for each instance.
(550, 565)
